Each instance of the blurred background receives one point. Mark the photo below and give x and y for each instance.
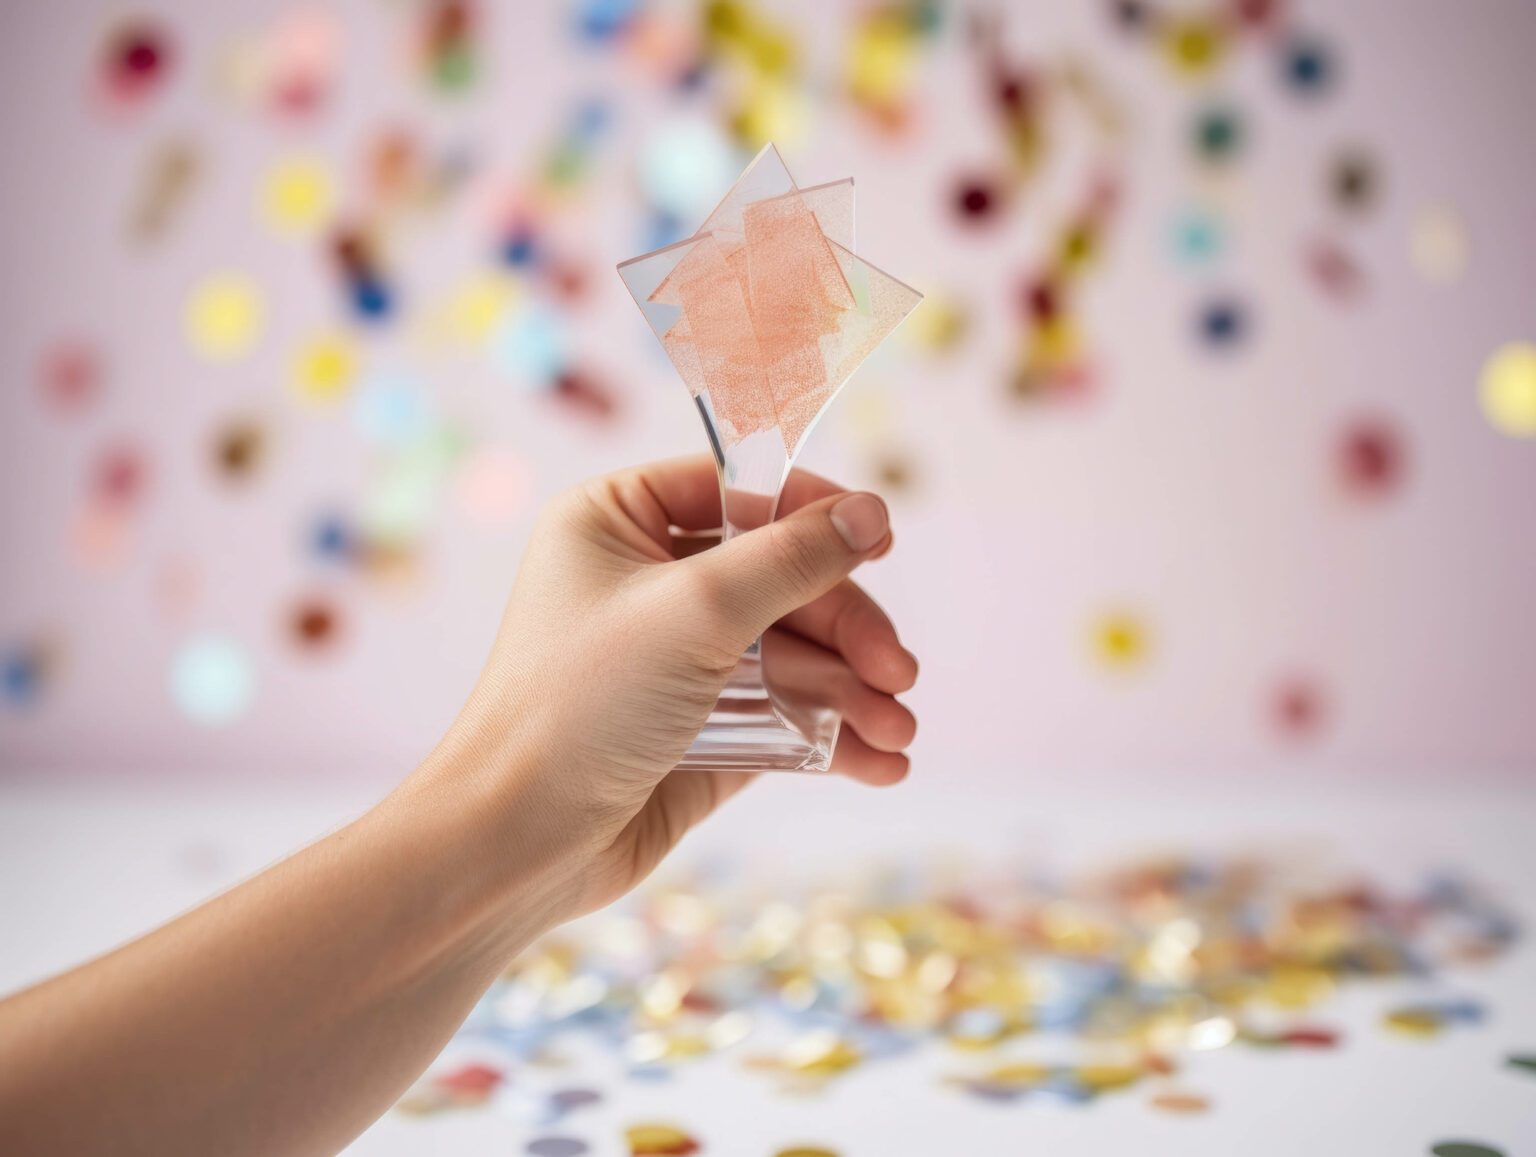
(1213, 446)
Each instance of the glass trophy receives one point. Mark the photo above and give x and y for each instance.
(765, 312)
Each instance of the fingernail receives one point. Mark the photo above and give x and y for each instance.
(861, 520)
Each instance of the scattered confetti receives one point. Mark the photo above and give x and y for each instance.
(557, 1147)
(1508, 390)
(314, 624)
(659, 1141)
(1223, 323)
(1307, 66)
(239, 449)
(1181, 1103)
(135, 63)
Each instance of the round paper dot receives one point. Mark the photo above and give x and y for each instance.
(119, 477)
(1371, 457)
(22, 673)
(324, 369)
(71, 376)
(557, 1147)
(1193, 46)
(313, 624)
(1217, 133)
(1298, 708)
(224, 316)
(1222, 323)
(1354, 181)
(478, 306)
(1120, 640)
(1437, 244)
(296, 196)
(212, 680)
(238, 450)
(976, 199)
(137, 61)
(1465, 1149)
(1197, 237)
(1508, 390)
(1307, 66)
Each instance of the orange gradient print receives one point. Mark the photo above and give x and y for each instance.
(767, 311)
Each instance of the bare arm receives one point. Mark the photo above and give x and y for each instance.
(289, 1013)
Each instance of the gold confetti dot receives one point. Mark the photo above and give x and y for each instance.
(1420, 1022)
(659, 1141)
(296, 196)
(1120, 640)
(224, 316)
(1193, 46)
(1508, 390)
(324, 369)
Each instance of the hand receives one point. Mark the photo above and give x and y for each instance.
(619, 637)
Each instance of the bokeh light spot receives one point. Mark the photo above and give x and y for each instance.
(212, 680)
(1508, 390)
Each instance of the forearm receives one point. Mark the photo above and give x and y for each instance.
(286, 1015)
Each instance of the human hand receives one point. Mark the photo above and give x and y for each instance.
(618, 639)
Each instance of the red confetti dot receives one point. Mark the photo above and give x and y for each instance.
(585, 394)
(138, 58)
(71, 376)
(471, 1079)
(1372, 460)
(1311, 1038)
(1299, 708)
(119, 477)
(314, 623)
(976, 199)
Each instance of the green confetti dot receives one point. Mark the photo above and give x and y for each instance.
(1465, 1149)
(1526, 1061)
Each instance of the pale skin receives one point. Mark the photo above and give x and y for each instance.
(287, 1014)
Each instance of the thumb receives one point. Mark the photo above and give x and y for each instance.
(758, 577)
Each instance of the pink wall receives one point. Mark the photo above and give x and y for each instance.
(1200, 491)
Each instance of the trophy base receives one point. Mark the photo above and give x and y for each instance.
(754, 729)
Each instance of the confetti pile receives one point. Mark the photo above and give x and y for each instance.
(1030, 989)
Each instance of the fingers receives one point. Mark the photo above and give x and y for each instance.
(846, 620)
(686, 491)
(759, 577)
(799, 670)
(858, 760)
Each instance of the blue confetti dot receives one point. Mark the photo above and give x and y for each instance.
(330, 539)
(21, 677)
(1307, 66)
(1223, 323)
(519, 250)
(372, 299)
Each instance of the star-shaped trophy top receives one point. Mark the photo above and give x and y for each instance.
(766, 311)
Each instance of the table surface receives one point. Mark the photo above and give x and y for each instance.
(85, 866)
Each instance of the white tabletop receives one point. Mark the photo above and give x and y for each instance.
(85, 866)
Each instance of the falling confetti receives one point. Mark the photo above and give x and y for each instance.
(659, 1141)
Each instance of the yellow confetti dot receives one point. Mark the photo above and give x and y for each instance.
(478, 307)
(1413, 1022)
(296, 196)
(224, 316)
(1193, 46)
(1108, 1076)
(1120, 640)
(1508, 390)
(324, 369)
